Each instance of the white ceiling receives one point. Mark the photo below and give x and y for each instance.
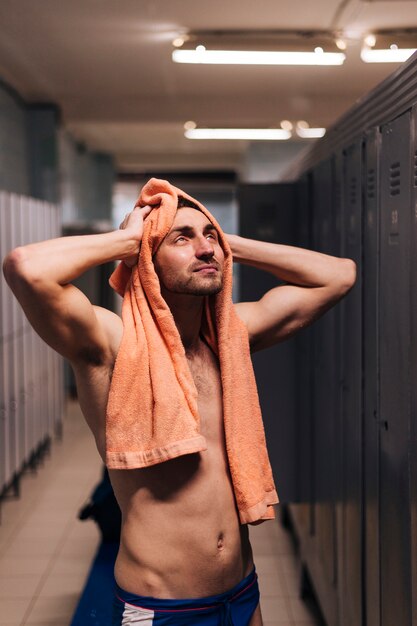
(107, 64)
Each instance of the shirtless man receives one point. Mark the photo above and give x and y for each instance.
(181, 537)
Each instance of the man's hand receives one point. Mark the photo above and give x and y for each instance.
(133, 224)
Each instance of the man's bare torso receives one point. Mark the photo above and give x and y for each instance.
(181, 536)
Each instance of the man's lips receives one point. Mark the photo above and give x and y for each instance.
(206, 268)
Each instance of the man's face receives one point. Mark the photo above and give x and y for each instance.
(191, 244)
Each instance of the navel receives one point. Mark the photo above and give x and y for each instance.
(220, 541)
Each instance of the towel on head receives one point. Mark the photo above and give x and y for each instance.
(152, 412)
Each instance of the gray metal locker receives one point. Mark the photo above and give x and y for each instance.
(394, 371)
(302, 513)
(266, 212)
(31, 394)
(325, 381)
(19, 364)
(13, 352)
(371, 222)
(351, 588)
(413, 371)
(4, 333)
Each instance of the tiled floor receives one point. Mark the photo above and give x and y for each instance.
(46, 552)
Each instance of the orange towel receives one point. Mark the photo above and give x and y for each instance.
(152, 413)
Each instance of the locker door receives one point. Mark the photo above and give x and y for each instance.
(352, 392)
(4, 333)
(19, 339)
(325, 383)
(413, 311)
(267, 213)
(371, 371)
(304, 350)
(394, 371)
(12, 349)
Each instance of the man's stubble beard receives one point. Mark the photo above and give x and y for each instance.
(194, 287)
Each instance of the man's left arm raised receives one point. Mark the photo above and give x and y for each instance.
(314, 282)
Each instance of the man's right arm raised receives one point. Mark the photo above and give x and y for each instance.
(40, 276)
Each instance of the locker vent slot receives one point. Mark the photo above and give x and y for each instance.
(370, 186)
(394, 179)
(353, 191)
(338, 194)
(415, 168)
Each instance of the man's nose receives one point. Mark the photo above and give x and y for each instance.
(204, 247)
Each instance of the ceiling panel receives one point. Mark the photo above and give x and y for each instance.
(107, 64)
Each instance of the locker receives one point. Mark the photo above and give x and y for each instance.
(31, 355)
(371, 182)
(325, 381)
(4, 332)
(339, 201)
(12, 352)
(413, 372)
(352, 399)
(394, 349)
(31, 398)
(376, 501)
(19, 355)
(304, 386)
(266, 212)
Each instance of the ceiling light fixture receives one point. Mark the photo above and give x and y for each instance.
(257, 57)
(260, 47)
(310, 133)
(251, 134)
(389, 47)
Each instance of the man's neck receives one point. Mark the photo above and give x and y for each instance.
(187, 311)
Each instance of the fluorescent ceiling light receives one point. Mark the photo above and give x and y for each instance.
(238, 133)
(310, 133)
(386, 56)
(257, 57)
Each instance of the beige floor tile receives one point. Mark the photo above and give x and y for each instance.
(266, 564)
(291, 582)
(63, 586)
(74, 564)
(19, 586)
(53, 609)
(36, 532)
(25, 547)
(275, 609)
(13, 609)
(271, 585)
(22, 566)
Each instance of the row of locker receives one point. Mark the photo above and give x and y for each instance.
(356, 515)
(31, 375)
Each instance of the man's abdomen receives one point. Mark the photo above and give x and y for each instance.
(181, 535)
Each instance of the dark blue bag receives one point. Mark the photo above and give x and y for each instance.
(104, 510)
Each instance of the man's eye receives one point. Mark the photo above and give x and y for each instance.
(180, 238)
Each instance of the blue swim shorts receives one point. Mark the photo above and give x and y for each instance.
(231, 608)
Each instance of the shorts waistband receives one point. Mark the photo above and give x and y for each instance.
(158, 604)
